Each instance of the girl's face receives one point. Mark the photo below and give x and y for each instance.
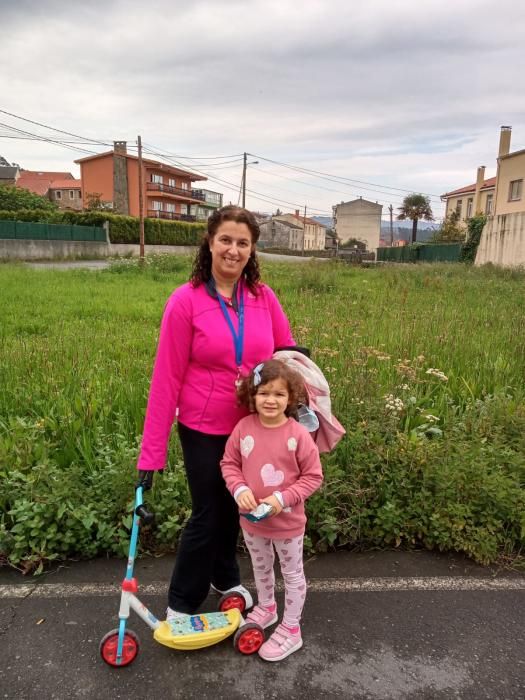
(271, 402)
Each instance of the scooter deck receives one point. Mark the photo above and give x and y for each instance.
(198, 631)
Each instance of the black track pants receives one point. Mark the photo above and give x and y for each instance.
(206, 552)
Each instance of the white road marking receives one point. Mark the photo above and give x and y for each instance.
(331, 585)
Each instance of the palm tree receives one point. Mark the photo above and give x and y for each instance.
(415, 207)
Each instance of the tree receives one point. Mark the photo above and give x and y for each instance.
(16, 198)
(450, 232)
(94, 202)
(475, 229)
(415, 207)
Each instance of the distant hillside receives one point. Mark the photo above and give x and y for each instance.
(324, 220)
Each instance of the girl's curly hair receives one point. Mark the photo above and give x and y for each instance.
(201, 272)
(272, 370)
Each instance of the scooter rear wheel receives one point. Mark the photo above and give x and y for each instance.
(249, 638)
(109, 644)
(230, 601)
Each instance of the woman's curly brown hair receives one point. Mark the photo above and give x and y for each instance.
(272, 370)
(201, 272)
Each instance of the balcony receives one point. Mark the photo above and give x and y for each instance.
(168, 189)
(211, 199)
(173, 216)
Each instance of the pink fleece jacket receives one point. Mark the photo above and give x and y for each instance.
(195, 367)
(266, 460)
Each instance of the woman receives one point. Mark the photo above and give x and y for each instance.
(215, 329)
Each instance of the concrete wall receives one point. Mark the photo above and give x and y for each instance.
(19, 249)
(503, 241)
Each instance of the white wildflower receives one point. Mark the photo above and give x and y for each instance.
(437, 373)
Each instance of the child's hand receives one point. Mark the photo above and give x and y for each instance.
(246, 500)
(274, 502)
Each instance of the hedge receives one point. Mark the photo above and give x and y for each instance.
(122, 229)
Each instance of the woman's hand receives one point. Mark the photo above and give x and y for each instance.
(274, 502)
(246, 500)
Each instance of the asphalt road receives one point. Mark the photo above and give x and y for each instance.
(382, 625)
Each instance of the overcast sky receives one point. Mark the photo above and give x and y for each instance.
(406, 94)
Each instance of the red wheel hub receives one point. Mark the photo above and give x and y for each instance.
(233, 602)
(109, 646)
(250, 641)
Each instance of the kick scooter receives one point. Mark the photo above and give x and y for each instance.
(120, 647)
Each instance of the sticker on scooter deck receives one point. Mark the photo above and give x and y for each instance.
(197, 631)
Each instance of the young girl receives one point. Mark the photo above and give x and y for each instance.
(271, 458)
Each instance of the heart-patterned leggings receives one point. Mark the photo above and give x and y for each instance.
(290, 553)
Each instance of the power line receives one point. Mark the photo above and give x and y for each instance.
(44, 138)
(327, 189)
(256, 195)
(340, 178)
(52, 128)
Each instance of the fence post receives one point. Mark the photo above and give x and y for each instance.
(105, 226)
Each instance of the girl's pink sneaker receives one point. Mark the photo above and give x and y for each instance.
(281, 644)
(262, 616)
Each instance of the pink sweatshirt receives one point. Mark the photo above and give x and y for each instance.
(195, 368)
(266, 460)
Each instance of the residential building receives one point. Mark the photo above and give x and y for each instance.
(510, 194)
(39, 181)
(9, 174)
(276, 233)
(331, 240)
(211, 202)
(66, 193)
(314, 233)
(471, 199)
(114, 175)
(359, 219)
(502, 194)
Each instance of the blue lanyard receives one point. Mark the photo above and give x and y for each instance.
(238, 338)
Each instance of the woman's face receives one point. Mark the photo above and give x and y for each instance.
(230, 250)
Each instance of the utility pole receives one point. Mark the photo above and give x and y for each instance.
(391, 209)
(141, 202)
(304, 228)
(244, 180)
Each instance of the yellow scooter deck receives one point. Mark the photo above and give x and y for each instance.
(198, 631)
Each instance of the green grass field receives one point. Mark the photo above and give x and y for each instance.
(426, 365)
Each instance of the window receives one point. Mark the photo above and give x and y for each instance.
(469, 207)
(58, 194)
(184, 185)
(170, 207)
(171, 182)
(183, 208)
(515, 188)
(157, 206)
(459, 206)
(488, 204)
(157, 178)
(71, 194)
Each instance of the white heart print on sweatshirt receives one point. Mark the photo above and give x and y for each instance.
(247, 445)
(271, 476)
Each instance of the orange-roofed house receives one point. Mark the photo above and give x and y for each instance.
(471, 199)
(66, 193)
(114, 176)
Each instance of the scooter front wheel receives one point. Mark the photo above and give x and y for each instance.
(109, 645)
(249, 638)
